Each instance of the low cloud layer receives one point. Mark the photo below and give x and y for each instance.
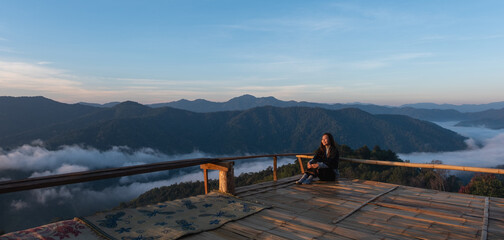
(86, 198)
(38, 158)
(484, 149)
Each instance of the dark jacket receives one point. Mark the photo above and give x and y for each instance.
(331, 160)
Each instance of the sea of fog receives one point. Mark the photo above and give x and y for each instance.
(27, 209)
(36, 207)
(485, 148)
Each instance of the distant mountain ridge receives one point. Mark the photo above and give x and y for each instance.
(257, 130)
(423, 111)
(248, 101)
(461, 108)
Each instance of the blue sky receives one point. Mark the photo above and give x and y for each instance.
(382, 52)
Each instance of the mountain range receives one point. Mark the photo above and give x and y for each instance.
(491, 115)
(265, 129)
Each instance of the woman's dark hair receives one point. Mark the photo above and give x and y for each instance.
(331, 140)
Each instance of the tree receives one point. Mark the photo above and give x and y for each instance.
(484, 185)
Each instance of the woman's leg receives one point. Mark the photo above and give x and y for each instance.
(303, 178)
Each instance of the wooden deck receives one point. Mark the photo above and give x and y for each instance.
(357, 209)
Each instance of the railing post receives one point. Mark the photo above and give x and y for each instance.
(301, 164)
(226, 179)
(226, 176)
(275, 168)
(205, 177)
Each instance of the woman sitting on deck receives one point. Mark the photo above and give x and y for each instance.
(325, 162)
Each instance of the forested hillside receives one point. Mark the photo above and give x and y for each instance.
(258, 130)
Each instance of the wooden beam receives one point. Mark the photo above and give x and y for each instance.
(205, 178)
(484, 229)
(87, 176)
(426, 165)
(275, 178)
(417, 165)
(362, 205)
(217, 166)
(300, 164)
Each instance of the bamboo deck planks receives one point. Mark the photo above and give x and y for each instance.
(308, 212)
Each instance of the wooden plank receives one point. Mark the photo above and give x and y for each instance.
(441, 214)
(257, 191)
(332, 236)
(364, 204)
(301, 165)
(205, 179)
(484, 228)
(429, 204)
(242, 230)
(225, 166)
(424, 165)
(266, 184)
(353, 233)
(275, 169)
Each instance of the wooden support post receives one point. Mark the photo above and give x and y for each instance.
(301, 164)
(205, 176)
(226, 175)
(275, 178)
(226, 181)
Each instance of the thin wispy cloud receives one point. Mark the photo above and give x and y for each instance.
(34, 77)
(44, 63)
(7, 50)
(291, 24)
(389, 60)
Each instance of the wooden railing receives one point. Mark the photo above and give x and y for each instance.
(87, 176)
(413, 165)
(224, 165)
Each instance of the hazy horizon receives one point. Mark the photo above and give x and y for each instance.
(225, 100)
(379, 52)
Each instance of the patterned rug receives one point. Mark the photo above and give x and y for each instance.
(172, 219)
(68, 229)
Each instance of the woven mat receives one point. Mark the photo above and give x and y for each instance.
(172, 219)
(68, 229)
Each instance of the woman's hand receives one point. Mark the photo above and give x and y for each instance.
(315, 165)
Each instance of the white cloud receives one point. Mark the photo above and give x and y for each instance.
(19, 204)
(70, 158)
(387, 61)
(26, 76)
(2, 179)
(65, 168)
(21, 78)
(484, 149)
(44, 195)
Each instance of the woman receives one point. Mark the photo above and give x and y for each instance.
(325, 162)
